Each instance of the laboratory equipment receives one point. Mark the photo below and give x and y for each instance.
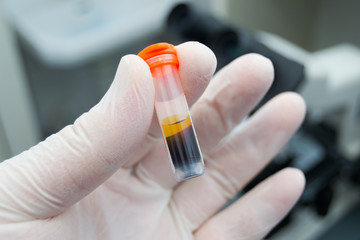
(173, 112)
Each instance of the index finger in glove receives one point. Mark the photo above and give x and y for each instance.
(58, 172)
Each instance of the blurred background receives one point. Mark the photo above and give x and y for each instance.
(59, 57)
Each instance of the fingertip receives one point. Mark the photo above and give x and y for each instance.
(260, 65)
(260, 209)
(126, 110)
(197, 66)
(287, 109)
(279, 193)
(134, 74)
(297, 177)
(256, 67)
(135, 66)
(200, 54)
(284, 190)
(297, 101)
(293, 105)
(252, 73)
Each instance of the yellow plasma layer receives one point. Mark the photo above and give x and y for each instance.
(175, 124)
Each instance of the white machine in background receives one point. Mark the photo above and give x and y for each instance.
(19, 128)
(68, 33)
(65, 36)
(332, 92)
(331, 88)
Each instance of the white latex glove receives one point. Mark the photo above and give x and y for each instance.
(108, 176)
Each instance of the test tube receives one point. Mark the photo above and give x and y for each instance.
(173, 112)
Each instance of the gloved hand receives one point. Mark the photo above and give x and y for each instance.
(108, 176)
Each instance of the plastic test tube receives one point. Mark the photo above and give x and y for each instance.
(173, 112)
